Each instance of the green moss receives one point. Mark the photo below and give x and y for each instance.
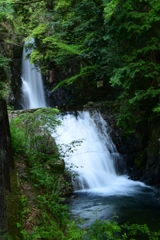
(139, 160)
(13, 206)
(5, 90)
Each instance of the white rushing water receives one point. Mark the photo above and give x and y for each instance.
(32, 85)
(92, 162)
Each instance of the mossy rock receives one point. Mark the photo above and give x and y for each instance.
(44, 143)
(58, 166)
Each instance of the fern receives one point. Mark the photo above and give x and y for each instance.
(68, 48)
(85, 71)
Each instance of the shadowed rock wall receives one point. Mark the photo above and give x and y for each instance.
(6, 161)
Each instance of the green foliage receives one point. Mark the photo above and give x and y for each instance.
(30, 134)
(17, 137)
(110, 7)
(111, 230)
(4, 61)
(6, 236)
(140, 230)
(74, 232)
(85, 71)
(104, 229)
(157, 109)
(68, 49)
(4, 90)
(39, 31)
(136, 42)
(23, 211)
(6, 35)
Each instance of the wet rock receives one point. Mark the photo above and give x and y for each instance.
(23, 176)
(151, 173)
(120, 166)
(129, 148)
(58, 165)
(89, 105)
(153, 146)
(11, 99)
(60, 98)
(157, 171)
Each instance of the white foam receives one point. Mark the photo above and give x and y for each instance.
(92, 161)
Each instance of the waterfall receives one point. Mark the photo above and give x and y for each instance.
(32, 84)
(92, 161)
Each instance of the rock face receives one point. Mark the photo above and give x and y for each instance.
(15, 98)
(58, 98)
(150, 173)
(6, 161)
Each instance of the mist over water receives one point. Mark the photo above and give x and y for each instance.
(92, 162)
(32, 85)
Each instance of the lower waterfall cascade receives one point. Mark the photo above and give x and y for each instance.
(92, 162)
(99, 191)
(32, 84)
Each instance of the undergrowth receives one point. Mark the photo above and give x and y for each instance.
(31, 137)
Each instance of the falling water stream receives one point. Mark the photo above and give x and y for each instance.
(32, 84)
(99, 190)
(93, 160)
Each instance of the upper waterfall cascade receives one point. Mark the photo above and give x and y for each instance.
(92, 162)
(32, 85)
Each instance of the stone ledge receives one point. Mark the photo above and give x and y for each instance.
(16, 113)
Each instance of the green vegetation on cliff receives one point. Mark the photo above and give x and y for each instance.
(43, 184)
